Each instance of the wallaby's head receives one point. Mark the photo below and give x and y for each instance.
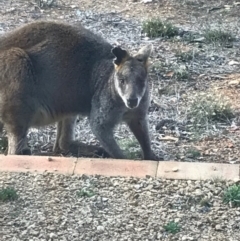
(131, 74)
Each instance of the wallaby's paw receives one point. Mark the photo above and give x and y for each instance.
(79, 149)
(100, 152)
(158, 158)
(93, 151)
(26, 151)
(56, 149)
(154, 157)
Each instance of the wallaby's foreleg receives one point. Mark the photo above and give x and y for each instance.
(139, 127)
(66, 142)
(105, 136)
(1, 127)
(102, 128)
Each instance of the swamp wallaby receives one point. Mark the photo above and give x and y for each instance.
(52, 72)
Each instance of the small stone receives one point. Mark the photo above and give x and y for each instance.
(187, 238)
(218, 227)
(135, 203)
(216, 204)
(177, 220)
(199, 224)
(137, 186)
(52, 235)
(88, 220)
(198, 192)
(192, 209)
(100, 229)
(233, 62)
(234, 82)
(24, 232)
(34, 232)
(149, 187)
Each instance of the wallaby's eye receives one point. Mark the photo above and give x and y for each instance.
(139, 60)
(122, 81)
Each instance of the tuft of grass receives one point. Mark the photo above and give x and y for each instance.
(181, 73)
(86, 193)
(8, 194)
(232, 195)
(45, 3)
(217, 36)
(172, 227)
(206, 108)
(161, 68)
(130, 148)
(185, 56)
(219, 179)
(193, 153)
(158, 67)
(157, 28)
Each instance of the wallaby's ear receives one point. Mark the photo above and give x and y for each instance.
(144, 53)
(120, 55)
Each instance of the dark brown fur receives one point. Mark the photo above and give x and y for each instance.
(52, 72)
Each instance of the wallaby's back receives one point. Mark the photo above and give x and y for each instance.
(63, 59)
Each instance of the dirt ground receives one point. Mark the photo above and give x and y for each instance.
(212, 69)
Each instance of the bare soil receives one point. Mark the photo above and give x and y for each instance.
(212, 68)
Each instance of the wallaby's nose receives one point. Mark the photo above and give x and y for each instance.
(132, 103)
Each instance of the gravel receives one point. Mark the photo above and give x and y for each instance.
(58, 207)
(53, 207)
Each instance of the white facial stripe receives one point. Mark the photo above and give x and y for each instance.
(125, 96)
(120, 93)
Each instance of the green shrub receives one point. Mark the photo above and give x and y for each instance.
(219, 36)
(232, 195)
(8, 194)
(172, 227)
(130, 148)
(181, 73)
(157, 28)
(206, 108)
(86, 193)
(185, 56)
(193, 153)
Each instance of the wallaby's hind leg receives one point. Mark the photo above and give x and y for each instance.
(56, 147)
(66, 142)
(16, 97)
(17, 140)
(139, 127)
(17, 118)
